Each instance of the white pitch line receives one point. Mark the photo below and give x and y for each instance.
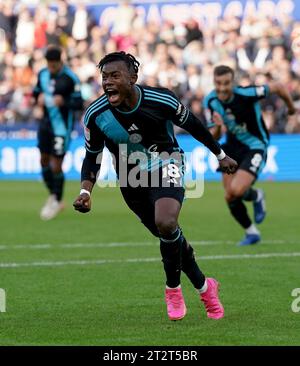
(124, 244)
(143, 260)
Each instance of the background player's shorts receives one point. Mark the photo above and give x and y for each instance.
(50, 144)
(141, 200)
(252, 161)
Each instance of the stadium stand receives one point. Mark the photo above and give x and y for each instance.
(176, 55)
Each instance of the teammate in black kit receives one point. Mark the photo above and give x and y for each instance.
(237, 110)
(135, 121)
(58, 93)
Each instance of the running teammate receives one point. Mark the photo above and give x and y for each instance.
(236, 110)
(58, 93)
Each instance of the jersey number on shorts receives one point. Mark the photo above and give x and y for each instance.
(172, 171)
(255, 162)
(58, 145)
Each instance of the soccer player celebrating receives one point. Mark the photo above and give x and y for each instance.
(130, 119)
(58, 93)
(236, 110)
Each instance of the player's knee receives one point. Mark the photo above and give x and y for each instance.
(56, 166)
(229, 195)
(166, 226)
(235, 191)
(57, 170)
(45, 161)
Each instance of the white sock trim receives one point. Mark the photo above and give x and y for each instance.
(172, 240)
(173, 288)
(259, 195)
(252, 229)
(203, 288)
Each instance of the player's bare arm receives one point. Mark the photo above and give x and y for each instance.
(283, 93)
(199, 131)
(58, 100)
(89, 171)
(40, 100)
(216, 130)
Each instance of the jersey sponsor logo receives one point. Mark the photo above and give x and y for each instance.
(153, 151)
(260, 91)
(236, 128)
(133, 127)
(135, 138)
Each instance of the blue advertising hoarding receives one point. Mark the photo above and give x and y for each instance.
(19, 160)
(204, 11)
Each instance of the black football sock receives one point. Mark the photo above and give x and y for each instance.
(58, 185)
(47, 175)
(250, 195)
(239, 212)
(190, 266)
(170, 248)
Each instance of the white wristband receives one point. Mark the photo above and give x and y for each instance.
(85, 191)
(221, 156)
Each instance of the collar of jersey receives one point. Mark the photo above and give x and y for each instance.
(229, 100)
(137, 104)
(61, 71)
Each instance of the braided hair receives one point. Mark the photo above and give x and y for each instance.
(131, 62)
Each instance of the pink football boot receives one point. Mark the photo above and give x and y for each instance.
(175, 303)
(210, 298)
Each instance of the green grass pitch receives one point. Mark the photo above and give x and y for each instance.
(97, 279)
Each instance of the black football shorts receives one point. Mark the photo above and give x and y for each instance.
(252, 161)
(50, 144)
(141, 200)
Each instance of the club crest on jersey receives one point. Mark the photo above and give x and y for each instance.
(135, 138)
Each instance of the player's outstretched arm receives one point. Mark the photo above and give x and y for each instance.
(283, 93)
(198, 130)
(90, 168)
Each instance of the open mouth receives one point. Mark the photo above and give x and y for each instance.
(223, 96)
(112, 95)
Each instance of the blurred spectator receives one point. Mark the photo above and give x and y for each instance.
(193, 32)
(25, 31)
(40, 27)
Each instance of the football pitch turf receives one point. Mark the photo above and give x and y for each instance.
(97, 278)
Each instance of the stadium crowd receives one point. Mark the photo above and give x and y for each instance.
(177, 56)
